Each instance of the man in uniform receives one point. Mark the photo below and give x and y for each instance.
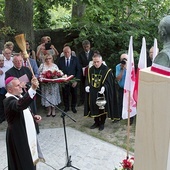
(100, 83)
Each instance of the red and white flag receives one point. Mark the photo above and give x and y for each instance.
(141, 65)
(129, 104)
(155, 49)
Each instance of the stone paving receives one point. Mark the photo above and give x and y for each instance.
(87, 152)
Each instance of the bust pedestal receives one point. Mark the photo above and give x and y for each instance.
(152, 142)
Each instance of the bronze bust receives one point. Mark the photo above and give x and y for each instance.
(163, 57)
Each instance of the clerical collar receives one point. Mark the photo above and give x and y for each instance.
(18, 96)
(17, 68)
(9, 95)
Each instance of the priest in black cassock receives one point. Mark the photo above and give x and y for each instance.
(23, 150)
(100, 83)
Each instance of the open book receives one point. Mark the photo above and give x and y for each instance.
(24, 78)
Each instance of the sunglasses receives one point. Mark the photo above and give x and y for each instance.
(48, 58)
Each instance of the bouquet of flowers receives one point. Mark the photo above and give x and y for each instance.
(54, 76)
(127, 164)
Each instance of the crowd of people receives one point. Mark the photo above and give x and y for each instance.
(93, 80)
(46, 57)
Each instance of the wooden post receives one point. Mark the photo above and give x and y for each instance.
(152, 142)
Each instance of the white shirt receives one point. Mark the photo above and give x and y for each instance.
(8, 63)
(68, 60)
(25, 63)
(31, 92)
(2, 77)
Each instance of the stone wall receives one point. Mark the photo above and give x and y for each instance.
(58, 38)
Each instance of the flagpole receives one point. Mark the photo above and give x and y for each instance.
(129, 104)
(128, 126)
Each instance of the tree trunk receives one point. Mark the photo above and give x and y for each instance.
(78, 9)
(19, 16)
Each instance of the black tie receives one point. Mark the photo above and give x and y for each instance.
(67, 63)
(87, 55)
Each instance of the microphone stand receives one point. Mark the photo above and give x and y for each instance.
(63, 114)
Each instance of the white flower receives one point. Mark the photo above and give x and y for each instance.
(61, 72)
(65, 76)
(131, 161)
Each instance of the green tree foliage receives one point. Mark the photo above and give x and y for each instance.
(44, 13)
(2, 3)
(41, 14)
(108, 24)
(7, 31)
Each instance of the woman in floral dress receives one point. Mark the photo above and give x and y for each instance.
(49, 90)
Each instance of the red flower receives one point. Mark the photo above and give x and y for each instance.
(57, 73)
(128, 163)
(52, 74)
(48, 74)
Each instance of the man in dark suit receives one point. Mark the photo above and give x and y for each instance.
(84, 58)
(69, 65)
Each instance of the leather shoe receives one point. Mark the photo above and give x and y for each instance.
(94, 126)
(101, 127)
(74, 110)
